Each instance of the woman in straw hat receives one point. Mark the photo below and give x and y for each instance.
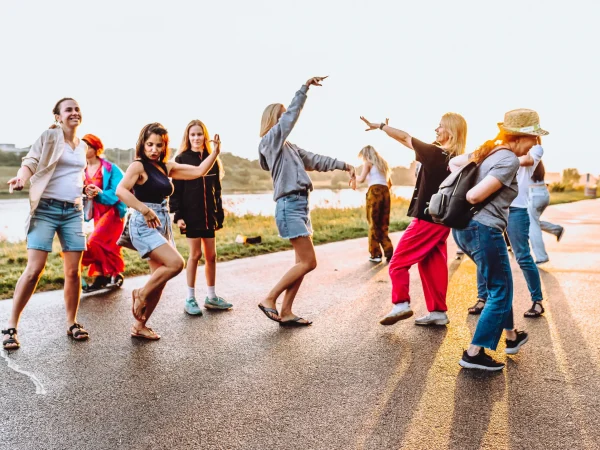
(103, 256)
(519, 122)
(482, 240)
(424, 241)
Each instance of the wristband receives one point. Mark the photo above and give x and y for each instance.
(381, 126)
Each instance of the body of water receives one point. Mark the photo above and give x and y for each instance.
(13, 212)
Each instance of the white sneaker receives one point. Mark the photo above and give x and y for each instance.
(377, 259)
(400, 311)
(433, 318)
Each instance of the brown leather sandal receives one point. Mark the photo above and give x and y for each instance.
(77, 332)
(11, 342)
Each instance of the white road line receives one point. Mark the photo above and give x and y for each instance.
(39, 387)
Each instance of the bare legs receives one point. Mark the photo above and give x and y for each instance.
(197, 246)
(306, 261)
(36, 261)
(165, 263)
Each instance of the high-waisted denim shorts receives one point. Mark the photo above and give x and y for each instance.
(57, 217)
(146, 239)
(293, 216)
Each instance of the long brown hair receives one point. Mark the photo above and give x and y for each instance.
(152, 128)
(486, 148)
(539, 173)
(187, 145)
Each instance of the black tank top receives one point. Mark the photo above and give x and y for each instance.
(156, 188)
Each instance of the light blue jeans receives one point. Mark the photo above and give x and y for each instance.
(518, 234)
(539, 199)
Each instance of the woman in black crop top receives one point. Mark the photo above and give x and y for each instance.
(146, 188)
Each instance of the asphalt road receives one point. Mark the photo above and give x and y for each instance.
(235, 380)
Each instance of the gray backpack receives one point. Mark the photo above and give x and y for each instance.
(449, 206)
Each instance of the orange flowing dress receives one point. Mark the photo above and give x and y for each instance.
(103, 255)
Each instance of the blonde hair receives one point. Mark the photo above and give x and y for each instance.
(187, 145)
(456, 126)
(370, 155)
(270, 117)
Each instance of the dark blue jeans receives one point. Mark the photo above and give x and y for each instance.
(518, 233)
(486, 247)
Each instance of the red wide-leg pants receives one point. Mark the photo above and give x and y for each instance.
(423, 243)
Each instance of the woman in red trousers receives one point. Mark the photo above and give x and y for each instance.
(424, 242)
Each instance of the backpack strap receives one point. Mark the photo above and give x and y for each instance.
(479, 206)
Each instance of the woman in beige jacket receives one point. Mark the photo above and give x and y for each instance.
(54, 167)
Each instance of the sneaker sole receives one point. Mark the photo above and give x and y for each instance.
(391, 320)
(199, 313)
(221, 308)
(468, 365)
(515, 350)
(434, 322)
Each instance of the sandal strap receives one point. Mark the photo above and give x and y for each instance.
(10, 331)
(79, 330)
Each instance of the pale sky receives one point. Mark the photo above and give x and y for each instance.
(132, 62)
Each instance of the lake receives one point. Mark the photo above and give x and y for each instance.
(13, 212)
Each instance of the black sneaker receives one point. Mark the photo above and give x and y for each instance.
(512, 347)
(482, 362)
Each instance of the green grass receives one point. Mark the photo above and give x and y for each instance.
(329, 225)
(568, 197)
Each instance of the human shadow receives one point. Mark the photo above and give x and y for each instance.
(404, 397)
(554, 381)
(475, 394)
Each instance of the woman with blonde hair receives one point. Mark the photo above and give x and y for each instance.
(376, 172)
(103, 256)
(146, 188)
(288, 164)
(496, 184)
(424, 241)
(198, 212)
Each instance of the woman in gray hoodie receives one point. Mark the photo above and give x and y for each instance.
(288, 165)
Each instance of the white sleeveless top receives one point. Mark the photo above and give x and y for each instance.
(375, 177)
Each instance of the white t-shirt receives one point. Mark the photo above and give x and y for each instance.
(375, 177)
(66, 183)
(524, 177)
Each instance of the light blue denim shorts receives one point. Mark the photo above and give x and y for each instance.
(146, 239)
(293, 216)
(56, 217)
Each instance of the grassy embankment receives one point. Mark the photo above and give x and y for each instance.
(330, 225)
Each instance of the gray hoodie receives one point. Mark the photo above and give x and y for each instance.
(287, 162)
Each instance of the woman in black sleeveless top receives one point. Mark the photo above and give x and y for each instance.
(150, 225)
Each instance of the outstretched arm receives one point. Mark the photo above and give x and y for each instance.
(401, 136)
(187, 172)
(277, 135)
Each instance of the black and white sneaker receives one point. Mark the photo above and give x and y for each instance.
(512, 347)
(482, 361)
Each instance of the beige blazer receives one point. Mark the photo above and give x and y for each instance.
(41, 160)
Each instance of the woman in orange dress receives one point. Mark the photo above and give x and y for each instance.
(103, 255)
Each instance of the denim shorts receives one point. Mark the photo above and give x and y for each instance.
(56, 217)
(146, 239)
(293, 216)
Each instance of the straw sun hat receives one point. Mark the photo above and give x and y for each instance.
(522, 122)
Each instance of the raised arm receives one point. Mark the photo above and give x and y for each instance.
(401, 136)
(188, 172)
(277, 135)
